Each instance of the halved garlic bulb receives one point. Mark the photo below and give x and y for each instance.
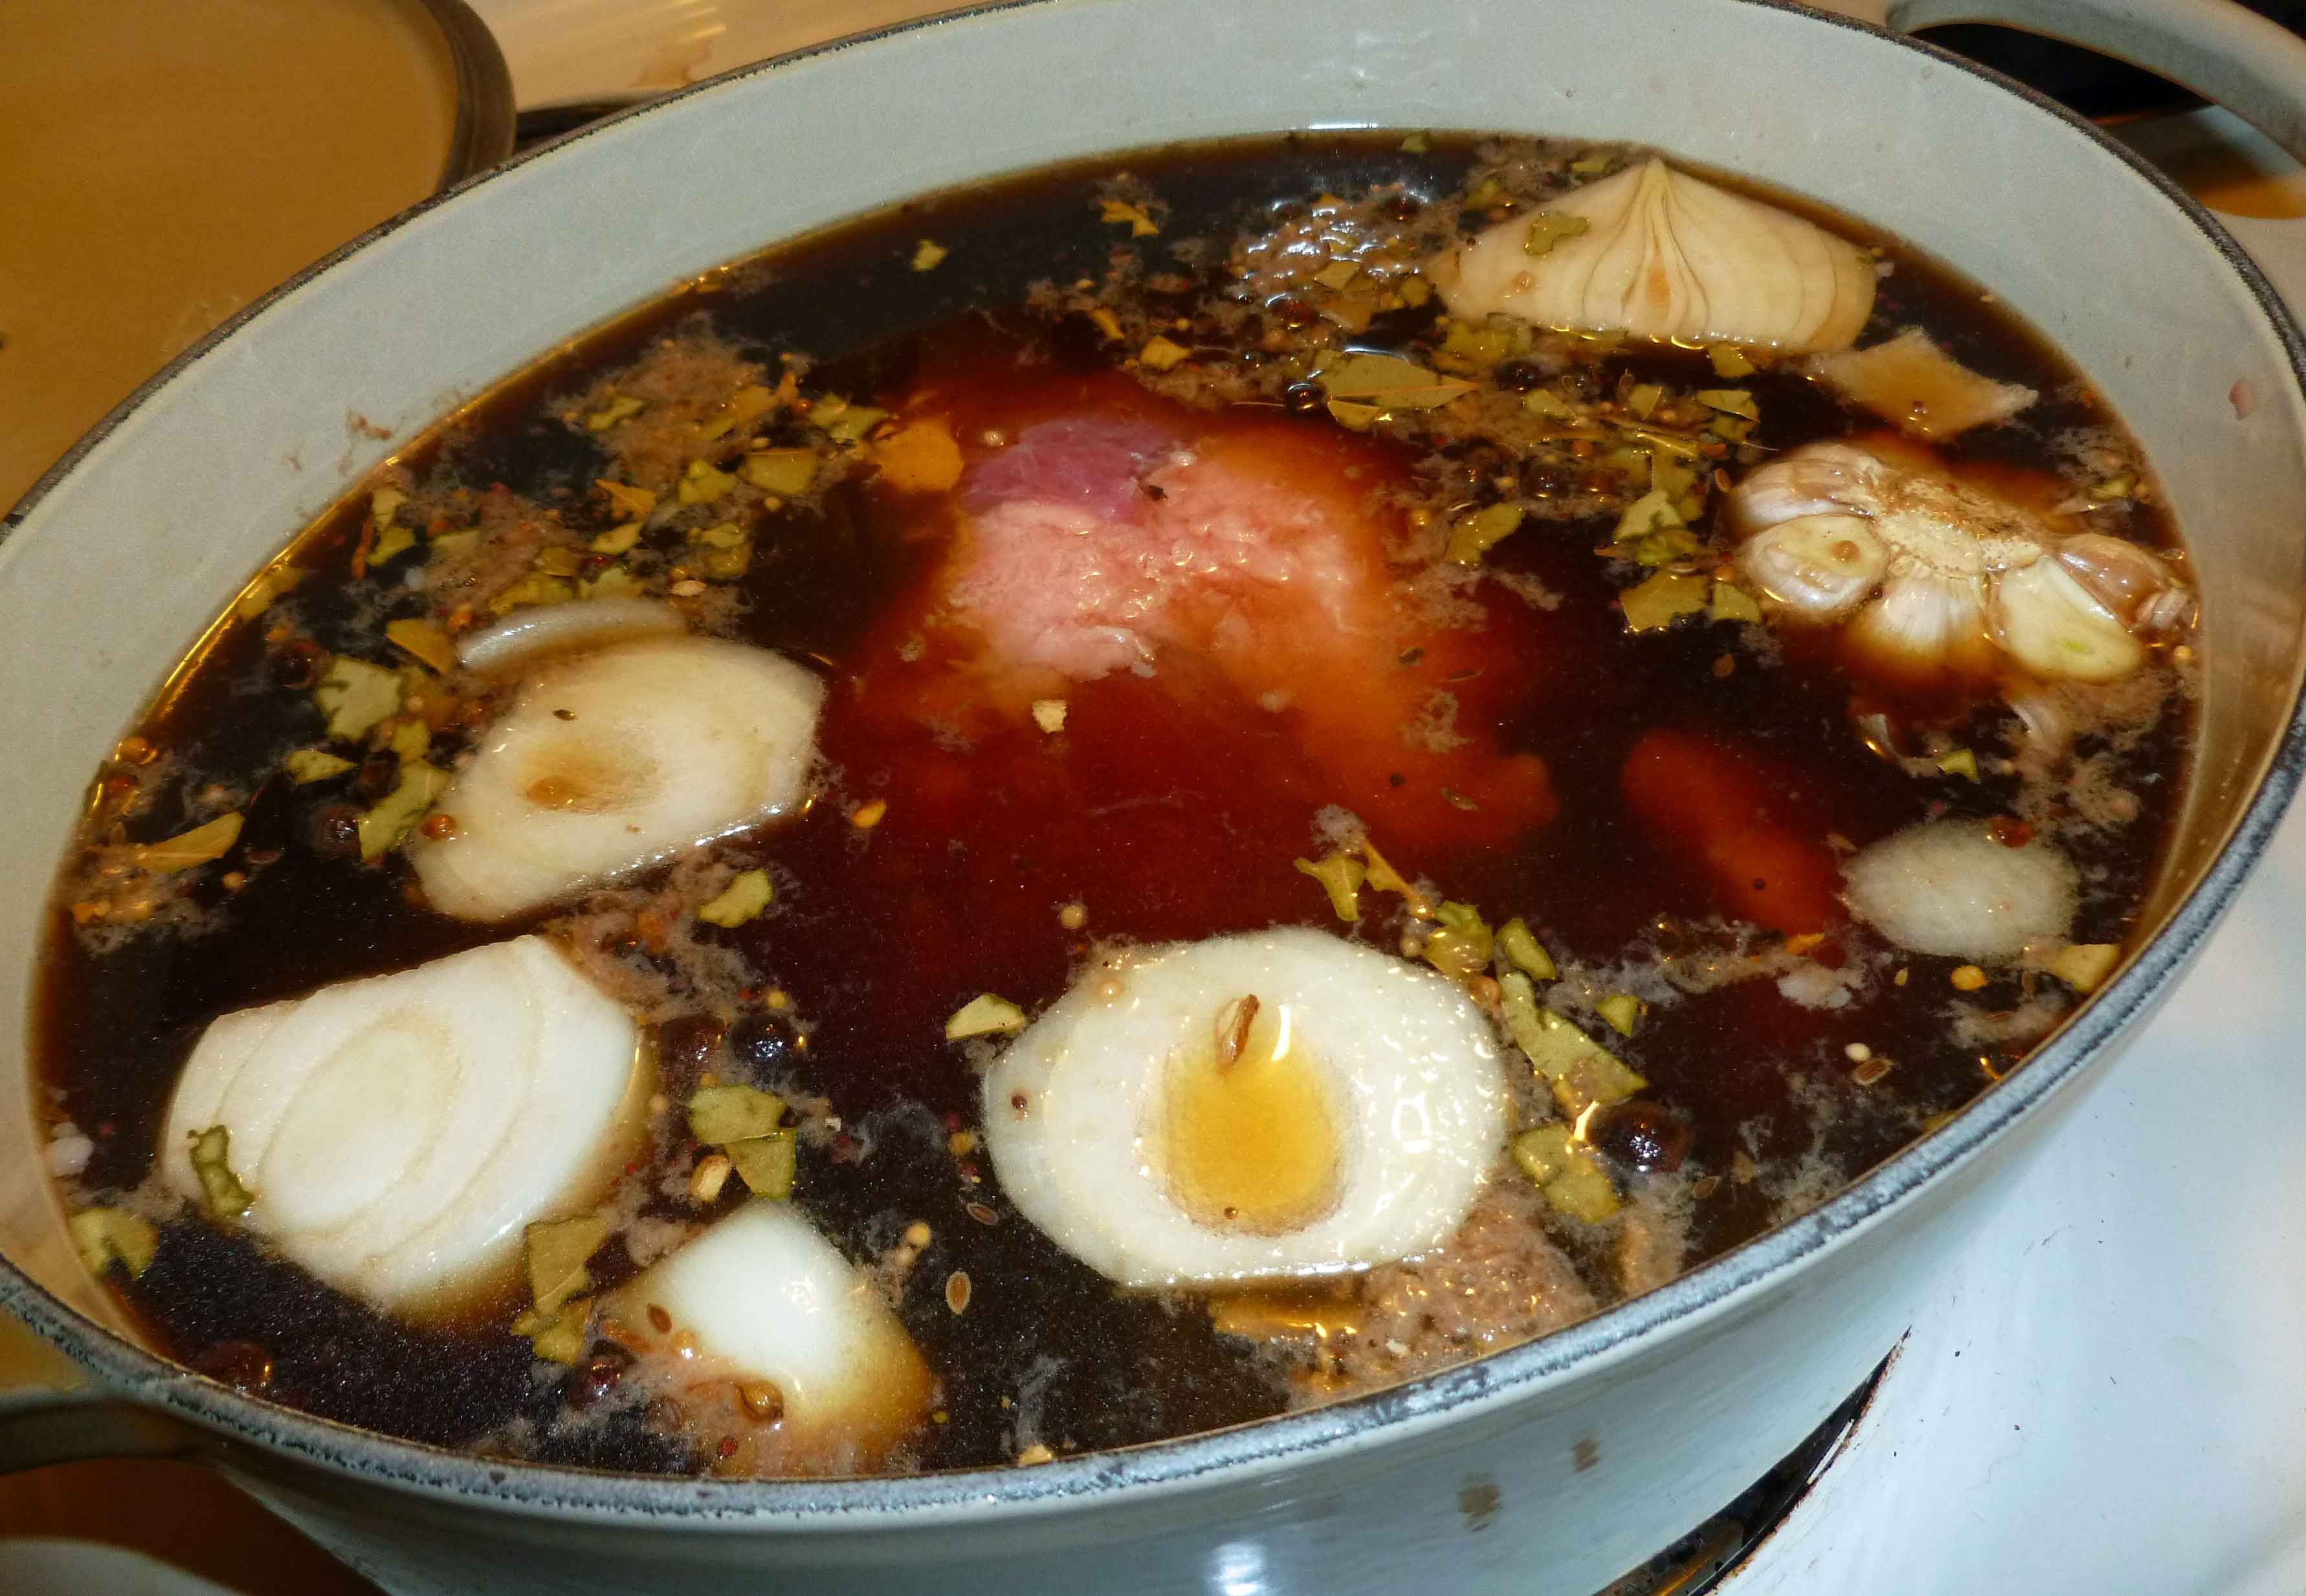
(1930, 575)
(763, 1304)
(1666, 255)
(616, 759)
(1950, 887)
(397, 1131)
(1248, 1108)
(1918, 387)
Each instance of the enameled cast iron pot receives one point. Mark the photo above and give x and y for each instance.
(1593, 1447)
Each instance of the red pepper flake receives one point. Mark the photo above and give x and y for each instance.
(2010, 831)
(728, 1447)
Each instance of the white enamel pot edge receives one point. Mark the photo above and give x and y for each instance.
(222, 419)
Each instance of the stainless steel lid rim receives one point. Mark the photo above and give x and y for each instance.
(1274, 1444)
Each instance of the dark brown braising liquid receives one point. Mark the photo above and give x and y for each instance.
(1165, 811)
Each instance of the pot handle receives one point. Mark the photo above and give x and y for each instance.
(2230, 56)
(2253, 67)
(51, 1412)
(39, 1427)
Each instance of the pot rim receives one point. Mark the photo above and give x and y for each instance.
(882, 1503)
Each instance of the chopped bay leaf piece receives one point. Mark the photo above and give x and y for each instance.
(784, 471)
(1378, 383)
(105, 1234)
(1341, 875)
(618, 408)
(985, 1015)
(1474, 535)
(533, 589)
(391, 543)
(741, 900)
(625, 499)
(396, 815)
(270, 583)
(1384, 878)
(1653, 511)
(1119, 211)
(1580, 1071)
(307, 766)
(1164, 354)
(1621, 1012)
(704, 483)
(1460, 944)
(426, 640)
(222, 1196)
(1729, 361)
(355, 695)
(850, 422)
(1549, 227)
(1573, 1181)
(767, 1163)
(929, 255)
(199, 846)
(1663, 599)
(557, 1252)
(1551, 406)
(1959, 762)
(617, 540)
(1730, 401)
(1520, 946)
(562, 1336)
(1732, 603)
(2085, 966)
(720, 1114)
(409, 739)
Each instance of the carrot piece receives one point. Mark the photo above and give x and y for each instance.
(1739, 815)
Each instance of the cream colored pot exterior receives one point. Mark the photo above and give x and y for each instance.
(1549, 1469)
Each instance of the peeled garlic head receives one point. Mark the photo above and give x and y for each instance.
(1666, 255)
(1948, 887)
(762, 1298)
(1931, 576)
(398, 1131)
(619, 758)
(1248, 1108)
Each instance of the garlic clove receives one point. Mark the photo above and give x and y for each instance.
(2048, 622)
(1667, 255)
(1948, 887)
(615, 759)
(2134, 583)
(1819, 567)
(762, 1298)
(528, 635)
(1924, 627)
(1919, 387)
(398, 1131)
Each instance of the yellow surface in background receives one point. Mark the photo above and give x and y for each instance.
(164, 164)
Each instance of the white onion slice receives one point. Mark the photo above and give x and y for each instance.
(763, 1296)
(1394, 1065)
(1948, 887)
(397, 1131)
(526, 635)
(617, 759)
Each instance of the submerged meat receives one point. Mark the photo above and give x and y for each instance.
(1236, 560)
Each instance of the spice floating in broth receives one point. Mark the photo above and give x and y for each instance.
(1330, 736)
